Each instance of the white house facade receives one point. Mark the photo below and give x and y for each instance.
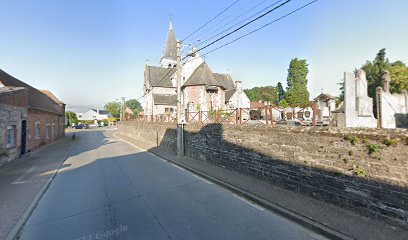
(94, 114)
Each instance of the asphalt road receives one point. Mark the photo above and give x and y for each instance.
(109, 189)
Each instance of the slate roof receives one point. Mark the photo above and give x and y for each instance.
(225, 81)
(158, 76)
(165, 99)
(170, 47)
(36, 99)
(103, 112)
(229, 94)
(202, 75)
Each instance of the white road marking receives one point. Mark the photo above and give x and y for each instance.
(249, 202)
(18, 180)
(315, 236)
(31, 181)
(202, 179)
(182, 169)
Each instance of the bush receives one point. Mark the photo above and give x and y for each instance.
(391, 142)
(359, 171)
(373, 148)
(352, 138)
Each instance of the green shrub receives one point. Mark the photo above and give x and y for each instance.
(352, 138)
(391, 142)
(359, 171)
(373, 148)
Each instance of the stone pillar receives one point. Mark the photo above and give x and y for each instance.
(379, 92)
(406, 100)
(386, 81)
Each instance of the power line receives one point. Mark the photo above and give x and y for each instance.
(276, 20)
(208, 31)
(226, 9)
(253, 15)
(249, 33)
(246, 24)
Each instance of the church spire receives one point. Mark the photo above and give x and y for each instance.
(170, 47)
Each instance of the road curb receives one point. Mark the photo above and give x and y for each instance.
(13, 234)
(287, 213)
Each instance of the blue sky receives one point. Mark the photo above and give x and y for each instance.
(91, 52)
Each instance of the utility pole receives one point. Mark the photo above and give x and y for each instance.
(122, 108)
(180, 123)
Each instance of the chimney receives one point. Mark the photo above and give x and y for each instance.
(238, 86)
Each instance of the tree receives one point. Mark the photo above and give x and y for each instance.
(399, 77)
(264, 94)
(281, 92)
(374, 71)
(71, 117)
(283, 103)
(340, 98)
(133, 104)
(113, 108)
(296, 92)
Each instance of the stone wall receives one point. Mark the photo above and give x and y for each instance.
(10, 116)
(351, 168)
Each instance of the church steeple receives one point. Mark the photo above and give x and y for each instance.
(170, 48)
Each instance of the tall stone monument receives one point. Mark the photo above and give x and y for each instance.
(358, 106)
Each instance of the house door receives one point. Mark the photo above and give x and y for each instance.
(23, 136)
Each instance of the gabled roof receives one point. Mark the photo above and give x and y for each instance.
(325, 96)
(101, 112)
(165, 99)
(202, 75)
(52, 96)
(158, 76)
(170, 47)
(256, 104)
(36, 99)
(229, 94)
(225, 81)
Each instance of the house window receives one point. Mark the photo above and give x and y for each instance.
(47, 131)
(307, 114)
(11, 136)
(37, 130)
(54, 131)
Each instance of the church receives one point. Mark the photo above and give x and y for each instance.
(202, 89)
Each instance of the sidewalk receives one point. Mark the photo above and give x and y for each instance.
(336, 222)
(22, 181)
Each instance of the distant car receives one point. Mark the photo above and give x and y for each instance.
(81, 126)
(78, 126)
(93, 125)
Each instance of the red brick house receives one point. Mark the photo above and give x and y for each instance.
(45, 118)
